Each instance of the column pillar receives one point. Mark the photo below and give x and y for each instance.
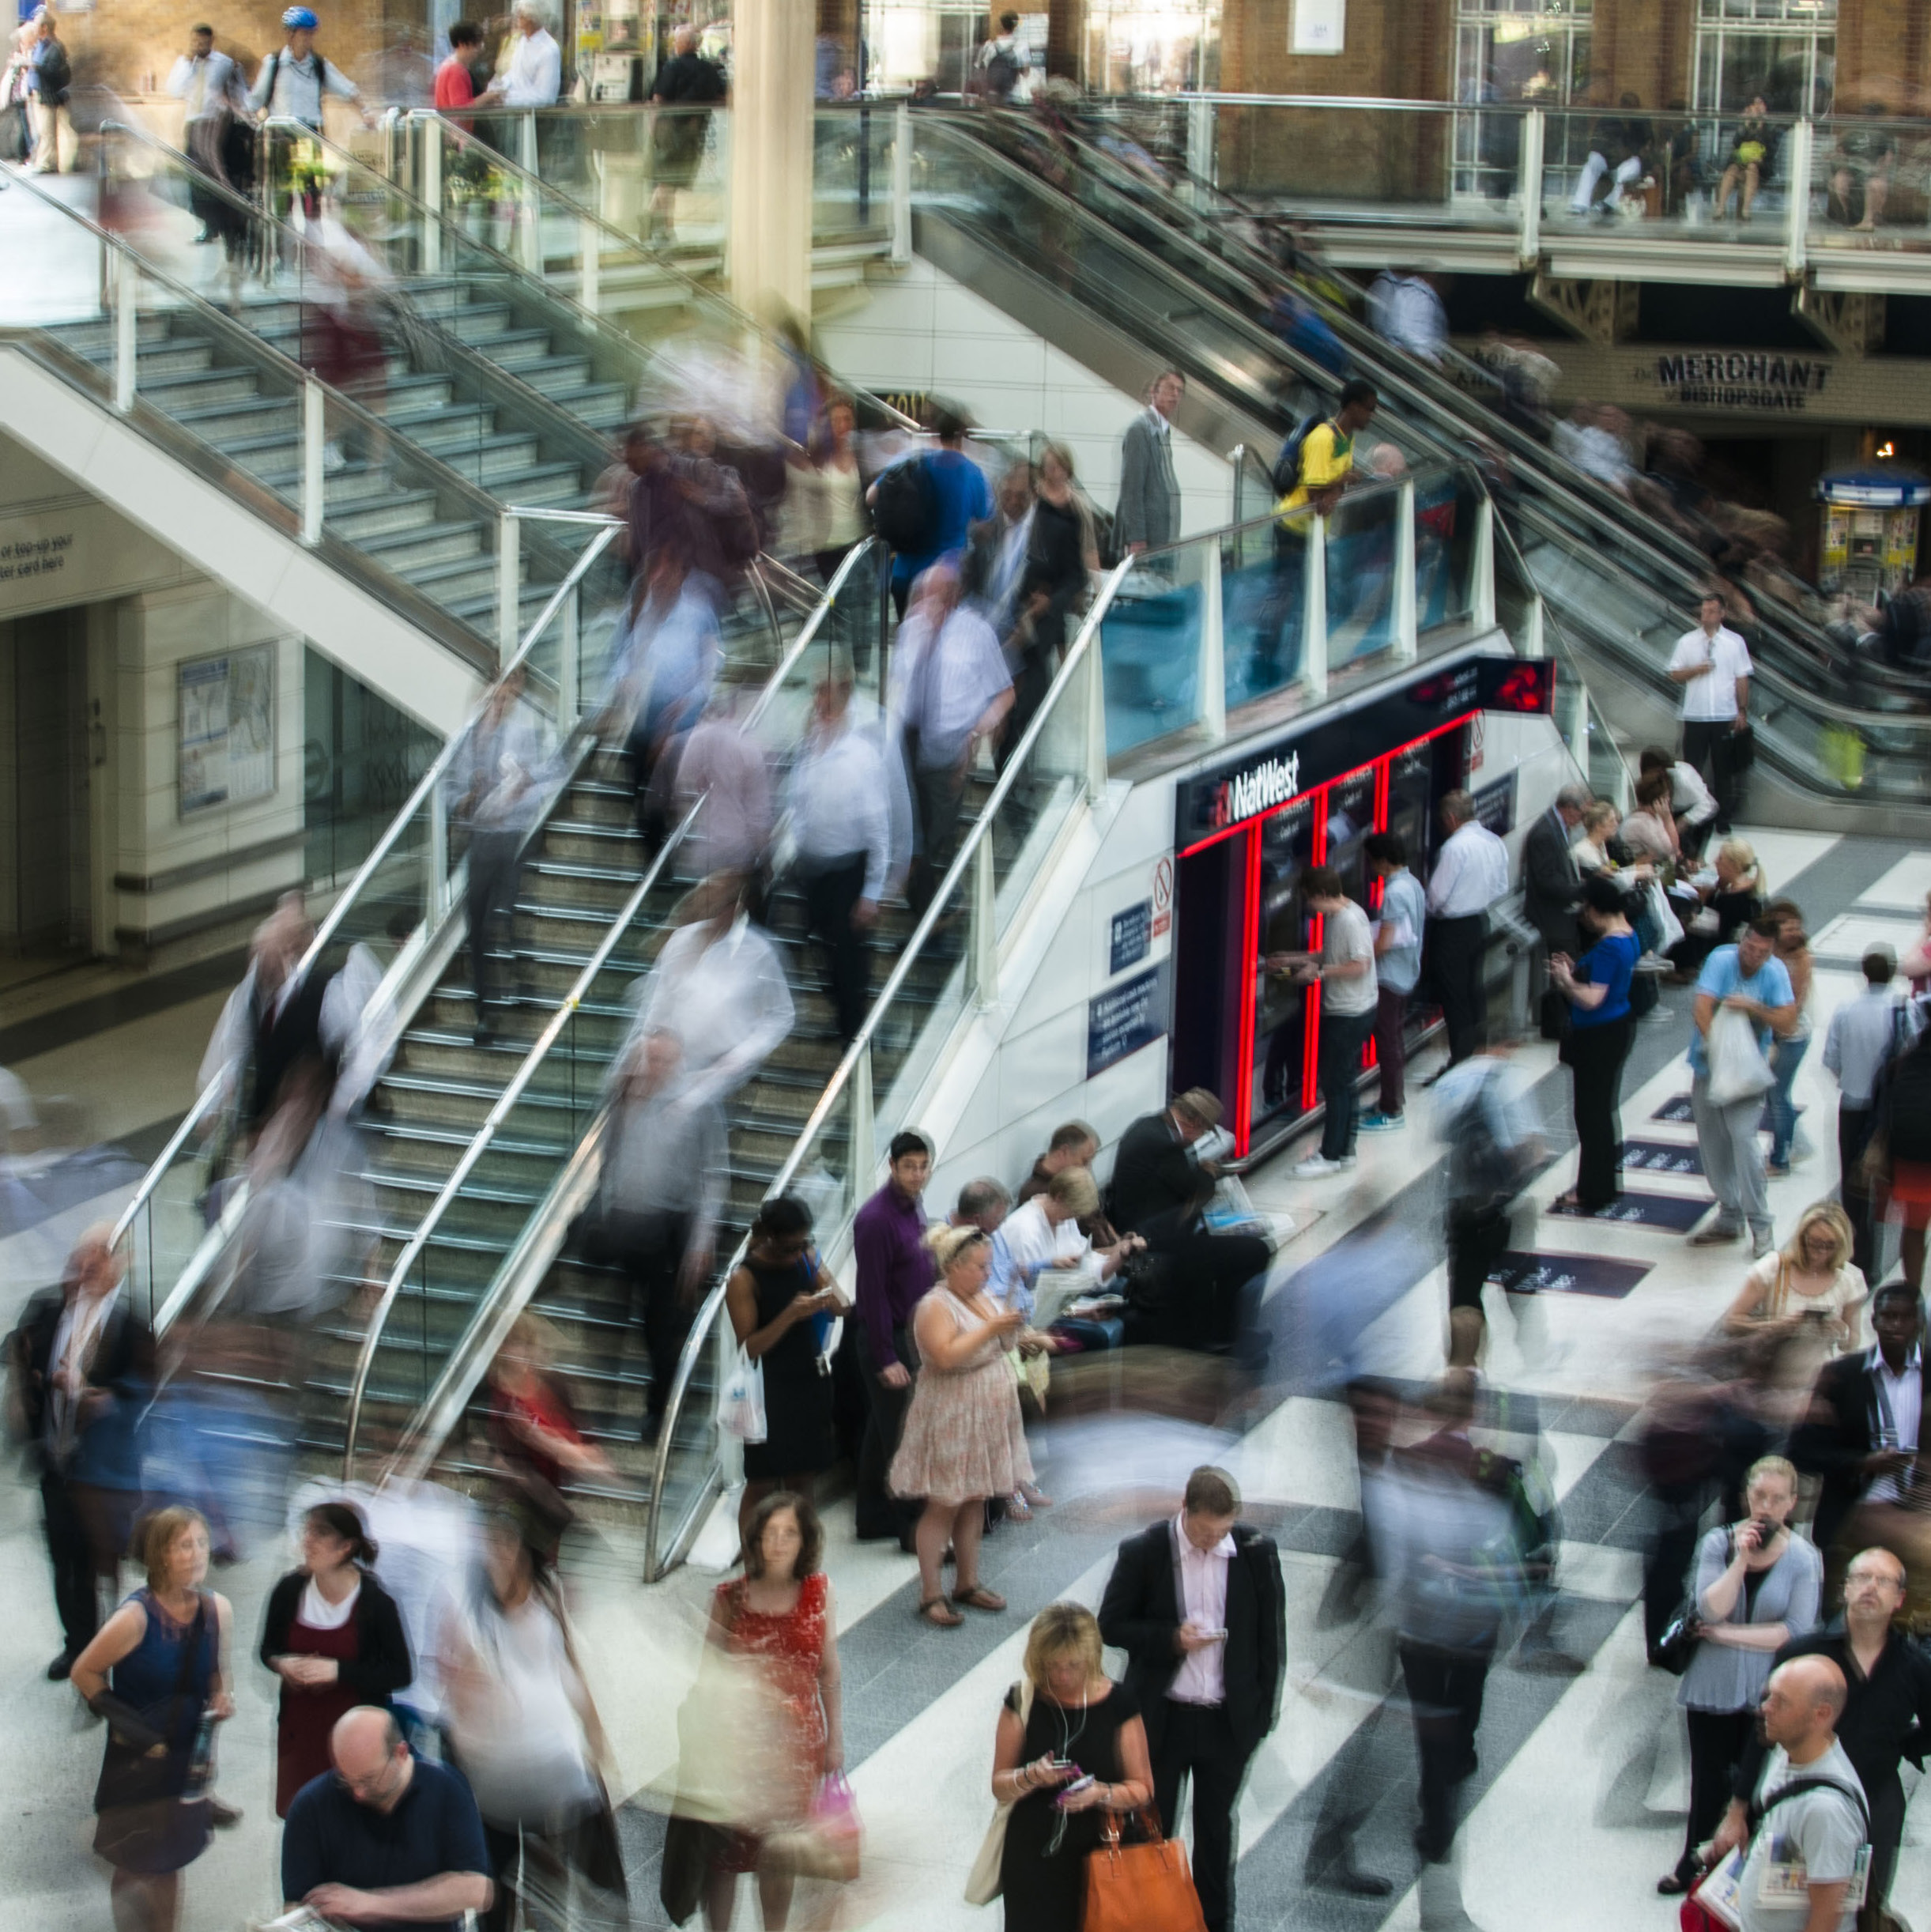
(771, 99)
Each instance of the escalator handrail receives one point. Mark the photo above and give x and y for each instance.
(965, 858)
(1584, 498)
(552, 1031)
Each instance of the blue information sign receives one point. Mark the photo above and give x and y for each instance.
(1123, 1019)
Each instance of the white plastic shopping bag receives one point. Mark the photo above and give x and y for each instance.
(741, 1412)
(1738, 1070)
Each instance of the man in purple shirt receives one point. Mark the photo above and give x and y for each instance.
(894, 1271)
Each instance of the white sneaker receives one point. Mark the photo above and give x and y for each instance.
(334, 458)
(1318, 1166)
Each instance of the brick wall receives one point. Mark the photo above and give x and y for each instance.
(1883, 53)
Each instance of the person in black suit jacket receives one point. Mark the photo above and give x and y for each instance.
(1158, 1190)
(79, 1372)
(1841, 1437)
(1552, 890)
(1197, 1604)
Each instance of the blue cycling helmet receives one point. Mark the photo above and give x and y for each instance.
(300, 17)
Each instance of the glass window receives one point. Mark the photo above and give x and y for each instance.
(1153, 46)
(1538, 55)
(1784, 50)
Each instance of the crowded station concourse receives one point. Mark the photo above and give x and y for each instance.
(803, 1238)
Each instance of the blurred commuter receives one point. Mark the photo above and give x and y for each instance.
(663, 668)
(1750, 978)
(1065, 1719)
(891, 1273)
(1595, 1046)
(719, 985)
(525, 1732)
(455, 80)
(1862, 1430)
(334, 1637)
(781, 1298)
(1552, 889)
(926, 504)
(291, 84)
(389, 1839)
(50, 80)
(1865, 1034)
(1064, 556)
(1344, 971)
(1757, 1585)
(1002, 64)
(1897, 1160)
(689, 84)
(994, 563)
(1471, 874)
(1616, 142)
(158, 1672)
(540, 1445)
(1197, 1603)
(534, 78)
(1444, 1541)
(1148, 515)
(839, 797)
(500, 768)
(666, 1165)
(1401, 921)
(268, 1024)
(951, 692)
(1160, 1191)
(1072, 1144)
(83, 1363)
(780, 1617)
(824, 512)
(722, 763)
(1485, 1115)
(963, 1442)
(1406, 309)
(1692, 804)
(1712, 664)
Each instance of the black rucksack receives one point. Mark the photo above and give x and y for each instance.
(1285, 475)
(906, 510)
(1002, 72)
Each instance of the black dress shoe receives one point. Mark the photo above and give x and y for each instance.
(223, 1817)
(57, 1671)
(1352, 1879)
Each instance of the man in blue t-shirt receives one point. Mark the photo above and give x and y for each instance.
(387, 1842)
(1749, 978)
(960, 497)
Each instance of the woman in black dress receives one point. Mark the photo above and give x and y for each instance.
(775, 1297)
(1066, 1722)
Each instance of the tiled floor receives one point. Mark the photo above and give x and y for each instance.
(1577, 1806)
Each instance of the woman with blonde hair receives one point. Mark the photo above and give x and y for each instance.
(964, 1441)
(1810, 1280)
(1071, 1747)
(158, 1672)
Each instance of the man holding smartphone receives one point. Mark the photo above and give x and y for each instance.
(1197, 1603)
(1712, 664)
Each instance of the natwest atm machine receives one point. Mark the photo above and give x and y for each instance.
(1248, 828)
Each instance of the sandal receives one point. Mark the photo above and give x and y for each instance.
(936, 1610)
(1016, 1509)
(979, 1598)
(1037, 1497)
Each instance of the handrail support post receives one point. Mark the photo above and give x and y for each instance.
(509, 583)
(1482, 589)
(901, 185)
(983, 956)
(126, 327)
(1212, 659)
(1407, 627)
(314, 468)
(1315, 609)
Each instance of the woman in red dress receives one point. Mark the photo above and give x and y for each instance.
(780, 1612)
(334, 1637)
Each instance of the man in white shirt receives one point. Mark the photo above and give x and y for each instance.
(951, 692)
(839, 797)
(535, 75)
(1345, 972)
(209, 87)
(1864, 1034)
(1712, 664)
(1471, 874)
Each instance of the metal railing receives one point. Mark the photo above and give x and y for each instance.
(443, 1407)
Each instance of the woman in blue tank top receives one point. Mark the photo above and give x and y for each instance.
(1597, 988)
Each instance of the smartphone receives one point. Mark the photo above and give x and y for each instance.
(1213, 1636)
(1078, 1784)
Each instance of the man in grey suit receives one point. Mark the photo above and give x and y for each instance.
(1552, 890)
(1149, 512)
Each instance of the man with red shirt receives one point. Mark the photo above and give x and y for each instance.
(455, 83)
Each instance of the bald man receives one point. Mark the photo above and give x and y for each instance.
(1814, 1837)
(388, 1840)
(1888, 1697)
(83, 1361)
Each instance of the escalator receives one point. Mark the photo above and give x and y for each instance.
(1104, 276)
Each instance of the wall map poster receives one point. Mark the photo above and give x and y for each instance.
(226, 754)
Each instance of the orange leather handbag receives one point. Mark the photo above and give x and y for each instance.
(1140, 1887)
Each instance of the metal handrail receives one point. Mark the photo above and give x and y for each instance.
(966, 857)
(210, 1095)
(519, 1081)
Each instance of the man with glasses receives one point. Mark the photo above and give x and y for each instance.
(387, 1839)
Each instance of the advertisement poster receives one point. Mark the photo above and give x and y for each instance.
(226, 753)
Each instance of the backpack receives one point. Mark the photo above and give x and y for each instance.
(1903, 1103)
(905, 512)
(1285, 475)
(274, 74)
(1002, 72)
(1482, 1172)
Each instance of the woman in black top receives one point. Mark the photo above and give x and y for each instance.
(775, 1297)
(1065, 1711)
(1060, 556)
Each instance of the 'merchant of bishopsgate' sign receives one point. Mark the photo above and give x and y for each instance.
(1738, 379)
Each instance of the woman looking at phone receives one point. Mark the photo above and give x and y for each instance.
(1070, 1750)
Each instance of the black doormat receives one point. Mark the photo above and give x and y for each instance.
(1641, 1210)
(1568, 1274)
(1661, 1157)
(1676, 1107)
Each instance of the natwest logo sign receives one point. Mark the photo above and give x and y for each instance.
(1261, 787)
